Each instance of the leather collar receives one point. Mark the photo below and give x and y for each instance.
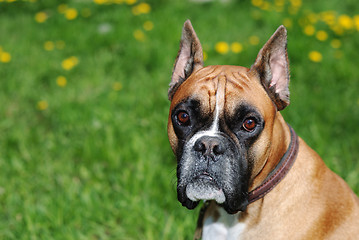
(279, 172)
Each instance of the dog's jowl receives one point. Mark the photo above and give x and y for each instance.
(234, 150)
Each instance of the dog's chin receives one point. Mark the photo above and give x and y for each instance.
(204, 188)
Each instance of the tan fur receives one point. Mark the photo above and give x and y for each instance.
(311, 202)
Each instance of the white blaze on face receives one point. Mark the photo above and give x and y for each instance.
(220, 99)
(198, 190)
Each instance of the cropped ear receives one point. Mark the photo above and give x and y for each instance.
(189, 58)
(272, 68)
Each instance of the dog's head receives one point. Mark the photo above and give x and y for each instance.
(222, 118)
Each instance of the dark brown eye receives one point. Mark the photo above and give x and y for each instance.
(183, 118)
(249, 124)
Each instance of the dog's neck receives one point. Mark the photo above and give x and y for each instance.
(281, 134)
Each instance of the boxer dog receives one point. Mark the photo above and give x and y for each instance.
(235, 151)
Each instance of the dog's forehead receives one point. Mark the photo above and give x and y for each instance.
(222, 85)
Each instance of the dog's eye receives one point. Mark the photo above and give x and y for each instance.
(249, 124)
(183, 118)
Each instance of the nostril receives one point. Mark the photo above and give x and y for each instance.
(200, 147)
(218, 149)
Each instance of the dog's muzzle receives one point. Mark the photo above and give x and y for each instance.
(212, 168)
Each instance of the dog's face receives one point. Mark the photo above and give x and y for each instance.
(221, 121)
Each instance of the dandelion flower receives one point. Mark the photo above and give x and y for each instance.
(131, 2)
(279, 3)
(288, 22)
(139, 35)
(41, 17)
(5, 57)
(257, 3)
(336, 43)
(328, 17)
(71, 13)
(222, 47)
(117, 86)
(61, 81)
(49, 45)
(100, 1)
(148, 25)
(69, 63)
(315, 56)
(42, 105)
(322, 35)
(309, 30)
(142, 8)
(253, 40)
(345, 21)
(236, 47)
(296, 3)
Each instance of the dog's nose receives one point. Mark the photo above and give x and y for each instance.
(209, 147)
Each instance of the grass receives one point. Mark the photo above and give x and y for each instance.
(91, 159)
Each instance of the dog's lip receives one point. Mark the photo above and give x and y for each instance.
(205, 176)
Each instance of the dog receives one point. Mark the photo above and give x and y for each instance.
(234, 151)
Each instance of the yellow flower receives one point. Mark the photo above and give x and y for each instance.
(100, 1)
(253, 40)
(296, 3)
(131, 2)
(117, 86)
(60, 44)
(141, 8)
(41, 17)
(71, 13)
(49, 45)
(62, 8)
(338, 29)
(236, 47)
(5, 57)
(257, 3)
(265, 6)
(315, 56)
(69, 63)
(139, 35)
(328, 17)
(312, 17)
(61, 81)
(42, 105)
(309, 30)
(336, 43)
(356, 22)
(222, 47)
(148, 25)
(322, 35)
(279, 3)
(345, 21)
(287, 22)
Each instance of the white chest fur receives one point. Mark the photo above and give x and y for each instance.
(226, 227)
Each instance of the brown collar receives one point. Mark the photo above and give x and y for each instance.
(279, 172)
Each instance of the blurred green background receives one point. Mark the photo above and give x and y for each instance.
(83, 90)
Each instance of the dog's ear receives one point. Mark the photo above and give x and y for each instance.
(272, 68)
(189, 58)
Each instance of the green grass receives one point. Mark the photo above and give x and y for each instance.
(96, 163)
